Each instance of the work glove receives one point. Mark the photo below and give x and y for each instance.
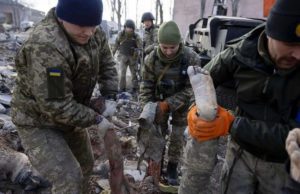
(293, 149)
(161, 110)
(206, 130)
(110, 108)
(30, 181)
(103, 125)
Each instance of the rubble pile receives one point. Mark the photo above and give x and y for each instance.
(125, 120)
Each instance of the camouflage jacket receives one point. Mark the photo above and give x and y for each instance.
(174, 86)
(150, 39)
(56, 77)
(127, 45)
(268, 99)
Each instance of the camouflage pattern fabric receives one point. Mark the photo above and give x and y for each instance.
(128, 55)
(63, 158)
(125, 43)
(176, 143)
(150, 39)
(124, 62)
(55, 82)
(150, 134)
(178, 99)
(198, 164)
(260, 136)
(258, 176)
(56, 77)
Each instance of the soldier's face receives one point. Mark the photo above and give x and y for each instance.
(128, 30)
(79, 34)
(284, 54)
(169, 50)
(147, 24)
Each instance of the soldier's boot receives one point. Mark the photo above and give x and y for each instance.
(172, 175)
(154, 170)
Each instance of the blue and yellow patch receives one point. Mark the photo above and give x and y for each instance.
(298, 30)
(54, 72)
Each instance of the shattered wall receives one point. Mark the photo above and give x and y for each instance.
(16, 13)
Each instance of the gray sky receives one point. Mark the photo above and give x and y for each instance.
(143, 6)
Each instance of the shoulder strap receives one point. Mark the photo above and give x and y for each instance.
(183, 64)
(162, 73)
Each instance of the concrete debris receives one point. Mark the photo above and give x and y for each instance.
(5, 99)
(2, 109)
(130, 168)
(125, 120)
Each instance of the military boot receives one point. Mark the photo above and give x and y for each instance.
(172, 175)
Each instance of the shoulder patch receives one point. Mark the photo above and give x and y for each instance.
(55, 72)
(55, 83)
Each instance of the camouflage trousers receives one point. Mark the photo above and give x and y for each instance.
(124, 62)
(199, 160)
(63, 158)
(176, 138)
(244, 173)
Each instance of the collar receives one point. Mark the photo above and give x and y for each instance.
(262, 48)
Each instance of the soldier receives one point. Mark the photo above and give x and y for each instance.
(58, 67)
(265, 66)
(128, 42)
(165, 81)
(150, 33)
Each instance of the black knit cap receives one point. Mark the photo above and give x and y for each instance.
(80, 12)
(283, 22)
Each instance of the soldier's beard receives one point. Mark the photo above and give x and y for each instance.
(287, 63)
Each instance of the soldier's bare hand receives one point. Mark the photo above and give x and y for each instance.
(293, 149)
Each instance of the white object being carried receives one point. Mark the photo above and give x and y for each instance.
(204, 91)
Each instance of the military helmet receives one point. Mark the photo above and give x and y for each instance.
(129, 24)
(147, 16)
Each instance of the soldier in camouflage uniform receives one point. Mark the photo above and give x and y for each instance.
(128, 42)
(265, 66)
(150, 33)
(58, 67)
(165, 80)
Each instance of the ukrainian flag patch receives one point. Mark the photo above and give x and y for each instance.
(55, 72)
(298, 30)
(55, 82)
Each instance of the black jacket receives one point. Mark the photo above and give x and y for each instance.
(268, 99)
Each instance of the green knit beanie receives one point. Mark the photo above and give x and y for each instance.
(169, 33)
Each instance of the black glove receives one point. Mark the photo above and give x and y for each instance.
(98, 104)
(31, 182)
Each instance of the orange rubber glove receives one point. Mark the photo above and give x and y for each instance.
(161, 109)
(205, 130)
(164, 106)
